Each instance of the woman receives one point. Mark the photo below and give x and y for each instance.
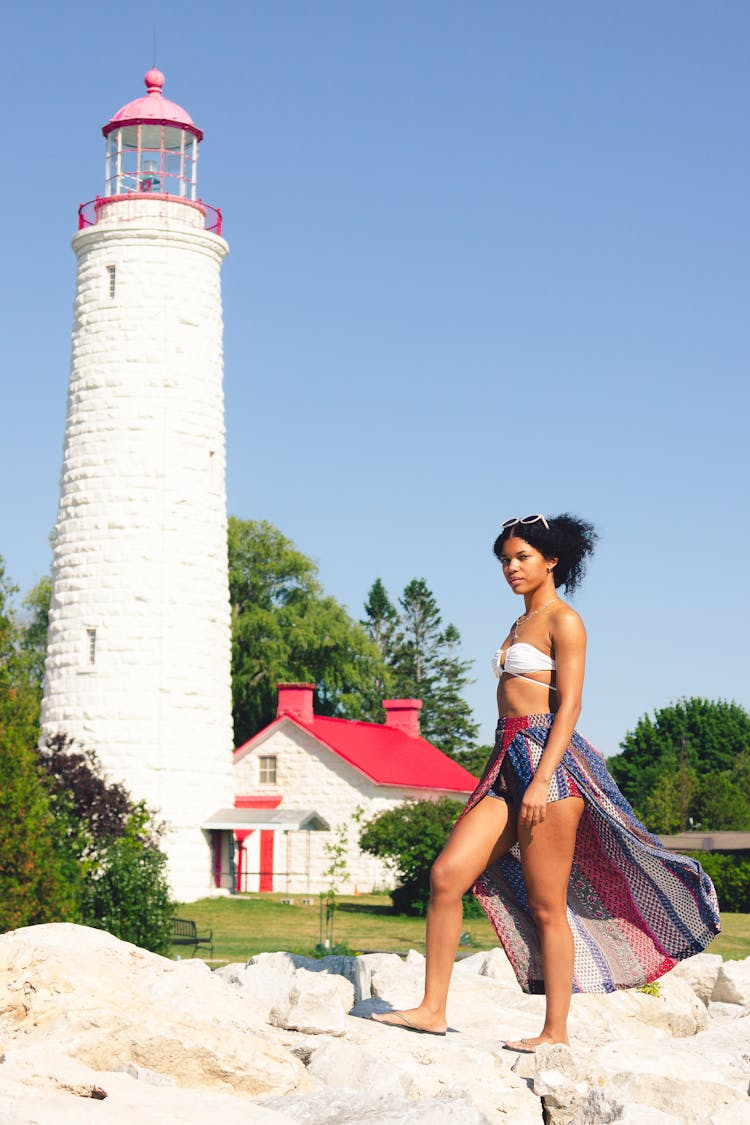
(581, 895)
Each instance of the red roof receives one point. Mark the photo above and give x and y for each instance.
(384, 754)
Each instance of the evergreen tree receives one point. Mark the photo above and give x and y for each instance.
(417, 645)
(452, 725)
(424, 663)
(380, 623)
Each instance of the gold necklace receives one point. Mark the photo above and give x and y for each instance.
(526, 617)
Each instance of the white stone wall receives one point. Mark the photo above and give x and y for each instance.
(309, 776)
(140, 550)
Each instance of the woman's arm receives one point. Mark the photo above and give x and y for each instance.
(568, 637)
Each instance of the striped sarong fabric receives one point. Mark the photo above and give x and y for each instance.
(634, 907)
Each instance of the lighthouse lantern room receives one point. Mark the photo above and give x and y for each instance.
(152, 146)
(138, 658)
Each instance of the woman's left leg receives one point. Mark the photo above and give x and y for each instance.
(547, 857)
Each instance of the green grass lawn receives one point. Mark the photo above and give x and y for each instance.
(247, 924)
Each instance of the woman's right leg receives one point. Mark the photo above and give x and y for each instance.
(484, 834)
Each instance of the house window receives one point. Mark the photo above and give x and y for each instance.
(91, 646)
(267, 768)
(111, 281)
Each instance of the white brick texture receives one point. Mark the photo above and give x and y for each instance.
(140, 547)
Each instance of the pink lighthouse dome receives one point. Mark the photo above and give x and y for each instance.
(153, 108)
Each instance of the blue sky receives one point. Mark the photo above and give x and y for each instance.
(486, 259)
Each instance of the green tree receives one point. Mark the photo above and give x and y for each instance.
(452, 725)
(418, 643)
(730, 874)
(409, 838)
(666, 808)
(424, 660)
(380, 624)
(474, 760)
(19, 690)
(285, 628)
(687, 767)
(35, 881)
(33, 878)
(34, 626)
(720, 804)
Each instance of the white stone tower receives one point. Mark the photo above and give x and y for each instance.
(138, 660)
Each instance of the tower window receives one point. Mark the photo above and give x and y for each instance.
(91, 646)
(267, 770)
(112, 281)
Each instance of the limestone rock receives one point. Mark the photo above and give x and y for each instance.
(285, 963)
(115, 1005)
(315, 1004)
(562, 1080)
(493, 964)
(676, 1010)
(395, 980)
(353, 969)
(41, 1087)
(700, 972)
(733, 983)
(90, 1026)
(346, 1107)
(342, 1065)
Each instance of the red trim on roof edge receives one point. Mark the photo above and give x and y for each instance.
(258, 801)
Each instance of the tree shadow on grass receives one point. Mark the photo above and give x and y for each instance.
(366, 908)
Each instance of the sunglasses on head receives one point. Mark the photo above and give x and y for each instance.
(524, 519)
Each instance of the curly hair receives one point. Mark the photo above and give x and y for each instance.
(567, 539)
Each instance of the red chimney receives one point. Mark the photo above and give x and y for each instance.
(403, 715)
(296, 700)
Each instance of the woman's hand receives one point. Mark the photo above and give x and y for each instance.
(534, 804)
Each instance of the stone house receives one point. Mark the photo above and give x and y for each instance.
(306, 782)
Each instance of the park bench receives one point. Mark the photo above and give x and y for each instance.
(185, 932)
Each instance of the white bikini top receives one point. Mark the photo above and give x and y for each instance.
(521, 657)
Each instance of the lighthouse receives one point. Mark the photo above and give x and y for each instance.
(138, 659)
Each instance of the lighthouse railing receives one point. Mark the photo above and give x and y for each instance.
(89, 213)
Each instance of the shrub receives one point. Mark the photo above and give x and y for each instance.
(128, 894)
(730, 874)
(409, 838)
(113, 846)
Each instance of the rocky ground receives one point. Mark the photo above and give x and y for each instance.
(95, 1030)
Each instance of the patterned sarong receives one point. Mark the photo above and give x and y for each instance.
(634, 907)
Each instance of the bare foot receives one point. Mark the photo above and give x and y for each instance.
(528, 1046)
(413, 1019)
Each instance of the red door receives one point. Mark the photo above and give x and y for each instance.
(266, 860)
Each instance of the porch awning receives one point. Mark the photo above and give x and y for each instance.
(283, 820)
